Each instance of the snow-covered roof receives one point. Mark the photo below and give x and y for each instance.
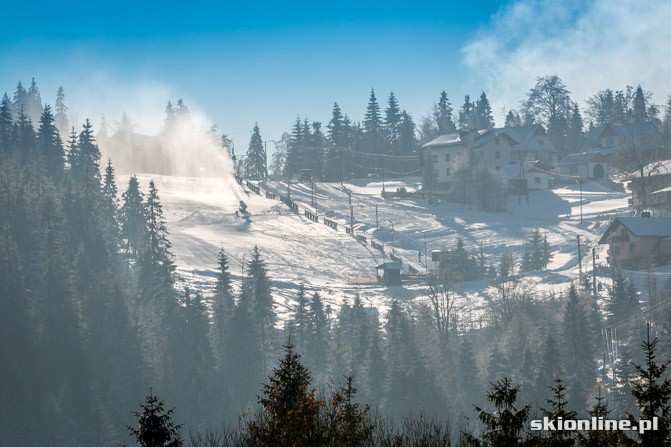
(450, 139)
(473, 138)
(584, 157)
(659, 191)
(641, 227)
(657, 168)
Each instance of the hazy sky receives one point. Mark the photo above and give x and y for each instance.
(268, 63)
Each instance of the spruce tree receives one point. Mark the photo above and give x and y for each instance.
(156, 427)
(558, 409)
(132, 219)
(256, 156)
(372, 126)
(392, 124)
(504, 426)
(578, 349)
(61, 116)
(483, 113)
(6, 122)
(290, 410)
(256, 288)
(652, 391)
(442, 114)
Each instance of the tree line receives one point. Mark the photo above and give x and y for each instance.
(386, 143)
(93, 315)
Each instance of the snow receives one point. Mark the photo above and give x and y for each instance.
(201, 219)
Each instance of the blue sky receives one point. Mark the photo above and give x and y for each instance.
(238, 64)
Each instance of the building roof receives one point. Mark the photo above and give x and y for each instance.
(395, 265)
(523, 134)
(582, 158)
(473, 138)
(630, 133)
(641, 227)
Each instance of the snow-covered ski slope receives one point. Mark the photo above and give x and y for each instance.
(201, 215)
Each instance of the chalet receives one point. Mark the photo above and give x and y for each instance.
(533, 144)
(610, 138)
(591, 165)
(537, 175)
(638, 242)
(656, 186)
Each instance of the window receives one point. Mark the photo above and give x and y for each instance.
(574, 169)
(435, 158)
(447, 172)
(497, 154)
(610, 141)
(616, 250)
(540, 142)
(498, 168)
(632, 247)
(447, 157)
(537, 180)
(496, 140)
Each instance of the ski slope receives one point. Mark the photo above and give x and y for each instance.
(201, 218)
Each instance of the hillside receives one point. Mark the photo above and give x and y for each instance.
(201, 215)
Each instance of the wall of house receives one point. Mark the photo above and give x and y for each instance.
(633, 252)
(574, 170)
(538, 180)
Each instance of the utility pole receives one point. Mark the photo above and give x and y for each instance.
(289, 188)
(393, 239)
(313, 201)
(377, 224)
(594, 272)
(341, 175)
(382, 157)
(351, 213)
(579, 261)
(580, 183)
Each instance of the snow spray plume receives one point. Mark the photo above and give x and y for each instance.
(186, 146)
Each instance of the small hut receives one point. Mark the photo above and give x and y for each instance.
(391, 273)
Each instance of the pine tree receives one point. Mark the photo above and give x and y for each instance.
(300, 319)
(652, 391)
(372, 126)
(244, 356)
(513, 119)
(19, 101)
(442, 114)
(110, 207)
(155, 425)
(391, 125)
(640, 109)
(578, 349)
(61, 117)
(559, 410)
(132, 219)
(257, 289)
(33, 102)
(483, 113)
(290, 410)
(317, 342)
(407, 139)
(6, 122)
(222, 308)
(467, 115)
(256, 155)
(49, 145)
(506, 424)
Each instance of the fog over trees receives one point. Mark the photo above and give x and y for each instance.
(94, 317)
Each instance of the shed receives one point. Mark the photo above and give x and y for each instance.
(391, 273)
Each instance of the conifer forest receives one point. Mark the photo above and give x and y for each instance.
(117, 328)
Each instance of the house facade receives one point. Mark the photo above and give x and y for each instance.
(591, 165)
(496, 148)
(638, 242)
(655, 186)
(533, 144)
(610, 138)
(445, 153)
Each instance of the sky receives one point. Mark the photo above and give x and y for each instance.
(268, 63)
